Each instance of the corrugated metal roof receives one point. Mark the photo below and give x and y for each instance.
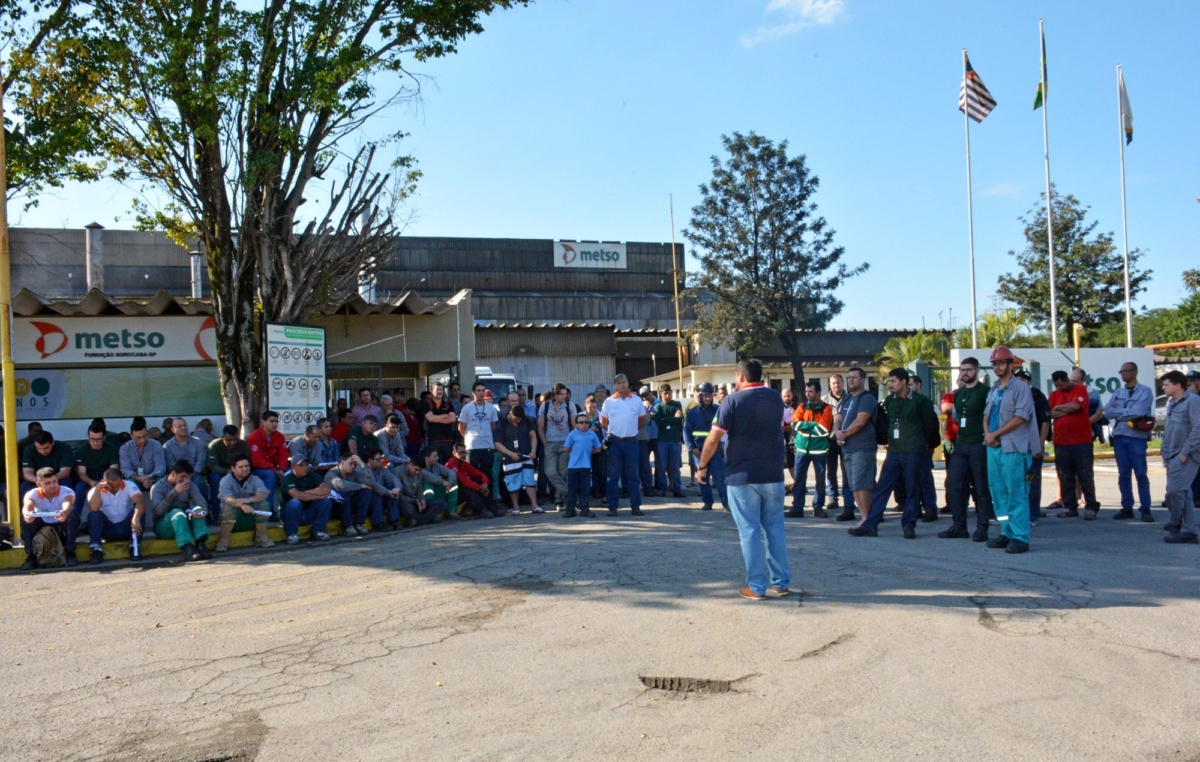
(28, 304)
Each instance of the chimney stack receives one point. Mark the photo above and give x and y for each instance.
(197, 274)
(93, 252)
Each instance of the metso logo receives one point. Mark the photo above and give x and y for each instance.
(51, 339)
(589, 255)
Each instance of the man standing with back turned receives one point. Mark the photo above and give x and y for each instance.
(750, 418)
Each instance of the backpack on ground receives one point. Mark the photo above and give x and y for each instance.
(48, 549)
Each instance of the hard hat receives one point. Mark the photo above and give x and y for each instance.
(705, 388)
(1002, 353)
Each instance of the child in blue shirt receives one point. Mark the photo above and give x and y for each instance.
(582, 443)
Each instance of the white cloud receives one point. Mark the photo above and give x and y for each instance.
(799, 14)
(1002, 189)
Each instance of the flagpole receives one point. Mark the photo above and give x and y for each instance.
(675, 282)
(1049, 207)
(1124, 223)
(970, 212)
(7, 370)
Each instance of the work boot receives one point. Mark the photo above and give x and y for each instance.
(260, 537)
(910, 533)
(1070, 513)
(1182, 538)
(569, 513)
(1089, 514)
(706, 507)
(1124, 513)
(202, 548)
(847, 514)
(980, 534)
(30, 563)
(862, 532)
(998, 542)
(1148, 517)
(929, 515)
(954, 533)
(223, 538)
(795, 513)
(819, 512)
(833, 504)
(1017, 546)
(945, 509)
(188, 551)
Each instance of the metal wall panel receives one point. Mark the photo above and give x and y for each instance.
(544, 342)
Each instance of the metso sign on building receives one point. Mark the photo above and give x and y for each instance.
(72, 341)
(607, 256)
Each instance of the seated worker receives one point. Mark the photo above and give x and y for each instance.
(476, 485)
(92, 459)
(30, 431)
(413, 505)
(354, 485)
(204, 431)
(440, 482)
(142, 459)
(167, 431)
(362, 438)
(329, 452)
(342, 423)
(393, 438)
(183, 446)
(48, 505)
(243, 498)
(179, 510)
(221, 452)
(116, 510)
(306, 501)
(268, 454)
(46, 453)
(306, 446)
(385, 509)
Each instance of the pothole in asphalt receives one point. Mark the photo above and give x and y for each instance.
(687, 684)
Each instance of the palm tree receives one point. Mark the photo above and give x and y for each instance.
(902, 351)
(1005, 328)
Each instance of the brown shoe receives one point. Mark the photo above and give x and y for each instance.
(746, 592)
(1089, 515)
(1070, 513)
(223, 538)
(261, 539)
(776, 592)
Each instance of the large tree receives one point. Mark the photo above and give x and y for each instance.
(766, 257)
(248, 121)
(50, 106)
(1089, 271)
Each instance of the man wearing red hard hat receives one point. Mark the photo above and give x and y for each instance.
(1011, 434)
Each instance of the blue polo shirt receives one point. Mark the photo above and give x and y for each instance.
(581, 446)
(750, 420)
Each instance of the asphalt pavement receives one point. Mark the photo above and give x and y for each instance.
(535, 637)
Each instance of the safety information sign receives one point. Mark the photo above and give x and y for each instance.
(295, 375)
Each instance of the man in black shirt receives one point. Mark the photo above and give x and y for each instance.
(441, 423)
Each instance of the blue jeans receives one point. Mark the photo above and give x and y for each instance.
(897, 468)
(800, 488)
(214, 486)
(623, 459)
(297, 512)
(716, 476)
(836, 459)
(355, 507)
(1130, 453)
(579, 488)
(668, 462)
(269, 481)
(384, 507)
(100, 527)
(1010, 491)
(758, 512)
(645, 472)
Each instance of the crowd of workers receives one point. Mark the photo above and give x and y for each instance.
(394, 462)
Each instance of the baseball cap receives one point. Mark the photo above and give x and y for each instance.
(1193, 375)
(643, 391)
(299, 459)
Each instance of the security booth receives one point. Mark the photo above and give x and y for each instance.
(116, 358)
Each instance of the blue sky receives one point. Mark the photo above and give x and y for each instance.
(576, 119)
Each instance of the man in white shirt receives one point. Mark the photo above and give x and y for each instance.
(622, 416)
(116, 508)
(48, 505)
(476, 424)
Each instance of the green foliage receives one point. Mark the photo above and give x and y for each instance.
(51, 104)
(902, 351)
(767, 260)
(1089, 271)
(1007, 328)
(246, 119)
(1150, 327)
